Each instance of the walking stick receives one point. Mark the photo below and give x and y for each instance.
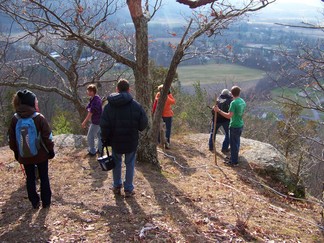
(214, 131)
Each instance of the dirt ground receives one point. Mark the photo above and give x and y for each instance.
(190, 200)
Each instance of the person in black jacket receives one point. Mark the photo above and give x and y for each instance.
(223, 102)
(120, 123)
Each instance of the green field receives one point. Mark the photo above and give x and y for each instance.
(285, 92)
(292, 94)
(217, 73)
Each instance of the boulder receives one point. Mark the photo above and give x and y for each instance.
(70, 140)
(263, 158)
(267, 161)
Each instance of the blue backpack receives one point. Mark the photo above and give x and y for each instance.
(27, 138)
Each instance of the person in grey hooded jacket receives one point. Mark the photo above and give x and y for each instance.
(120, 123)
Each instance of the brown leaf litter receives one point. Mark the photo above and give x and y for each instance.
(190, 200)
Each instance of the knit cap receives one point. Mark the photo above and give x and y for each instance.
(27, 97)
(225, 92)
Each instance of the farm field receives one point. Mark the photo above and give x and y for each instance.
(217, 73)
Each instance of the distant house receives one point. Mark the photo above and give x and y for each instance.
(302, 94)
(87, 59)
(315, 86)
(54, 54)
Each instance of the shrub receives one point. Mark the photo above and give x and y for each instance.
(61, 124)
(191, 111)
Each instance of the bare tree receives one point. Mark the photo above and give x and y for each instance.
(303, 72)
(70, 68)
(209, 18)
(305, 68)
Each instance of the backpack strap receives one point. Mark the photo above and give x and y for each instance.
(32, 116)
(35, 114)
(17, 116)
(40, 134)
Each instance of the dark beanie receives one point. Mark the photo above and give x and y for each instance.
(27, 97)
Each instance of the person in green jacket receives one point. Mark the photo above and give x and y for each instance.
(234, 113)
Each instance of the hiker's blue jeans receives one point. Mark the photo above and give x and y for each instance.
(168, 125)
(235, 137)
(130, 169)
(93, 132)
(45, 189)
(226, 141)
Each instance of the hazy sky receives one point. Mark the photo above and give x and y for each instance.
(315, 3)
(295, 9)
(283, 4)
(284, 7)
(284, 11)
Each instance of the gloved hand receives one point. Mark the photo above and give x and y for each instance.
(16, 155)
(51, 154)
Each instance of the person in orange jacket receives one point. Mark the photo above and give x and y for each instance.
(167, 113)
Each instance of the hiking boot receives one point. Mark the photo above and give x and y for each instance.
(116, 190)
(167, 145)
(225, 151)
(129, 193)
(36, 206)
(46, 205)
(230, 164)
(91, 154)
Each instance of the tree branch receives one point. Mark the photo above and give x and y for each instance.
(39, 87)
(195, 4)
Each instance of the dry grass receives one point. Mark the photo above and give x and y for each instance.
(190, 200)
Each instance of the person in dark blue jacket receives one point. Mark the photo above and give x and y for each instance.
(223, 102)
(120, 123)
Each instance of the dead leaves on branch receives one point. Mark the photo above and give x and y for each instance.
(79, 9)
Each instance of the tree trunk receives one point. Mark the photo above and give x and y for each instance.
(166, 86)
(81, 110)
(147, 148)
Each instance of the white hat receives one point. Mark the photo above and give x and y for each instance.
(225, 92)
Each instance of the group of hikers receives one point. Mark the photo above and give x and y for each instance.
(230, 108)
(117, 125)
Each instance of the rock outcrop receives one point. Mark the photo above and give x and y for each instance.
(263, 158)
(70, 140)
(267, 160)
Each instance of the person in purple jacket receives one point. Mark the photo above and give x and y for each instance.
(94, 109)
